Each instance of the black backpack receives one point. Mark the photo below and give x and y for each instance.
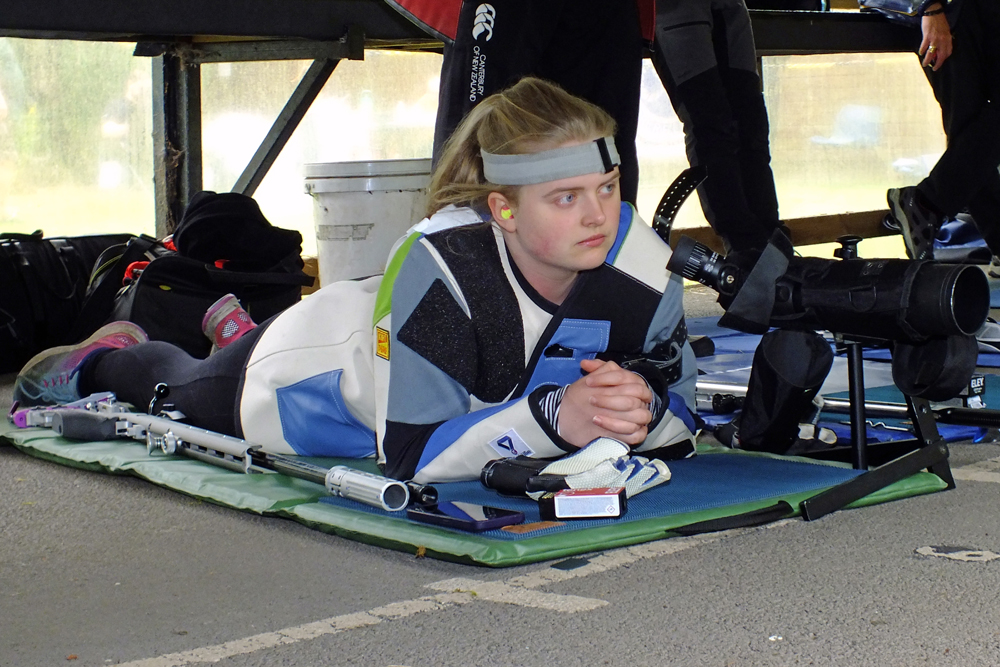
(43, 285)
(223, 244)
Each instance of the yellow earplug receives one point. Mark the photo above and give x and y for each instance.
(506, 213)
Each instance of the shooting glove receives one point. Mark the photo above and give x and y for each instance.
(603, 462)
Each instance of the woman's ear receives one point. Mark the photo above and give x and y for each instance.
(502, 211)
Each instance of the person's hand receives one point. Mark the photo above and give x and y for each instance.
(936, 46)
(608, 402)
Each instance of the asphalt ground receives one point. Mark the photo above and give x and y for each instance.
(97, 569)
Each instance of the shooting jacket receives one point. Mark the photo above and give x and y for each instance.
(439, 366)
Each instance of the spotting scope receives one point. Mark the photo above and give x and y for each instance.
(928, 311)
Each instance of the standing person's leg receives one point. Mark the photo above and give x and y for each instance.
(496, 44)
(985, 210)
(737, 57)
(685, 60)
(595, 52)
(592, 48)
(965, 87)
(968, 88)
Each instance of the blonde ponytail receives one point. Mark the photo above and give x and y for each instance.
(532, 115)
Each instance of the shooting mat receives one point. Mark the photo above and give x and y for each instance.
(712, 485)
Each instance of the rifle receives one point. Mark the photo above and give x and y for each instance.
(102, 417)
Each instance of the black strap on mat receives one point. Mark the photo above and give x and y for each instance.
(759, 517)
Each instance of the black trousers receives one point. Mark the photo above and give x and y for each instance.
(968, 88)
(705, 57)
(592, 48)
(207, 391)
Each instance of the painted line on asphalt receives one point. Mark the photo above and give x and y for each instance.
(981, 471)
(304, 632)
(492, 591)
(964, 554)
(517, 591)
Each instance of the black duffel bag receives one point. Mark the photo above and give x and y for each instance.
(224, 244)
(43, 284)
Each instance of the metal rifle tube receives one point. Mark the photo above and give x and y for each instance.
(872, 408)
(385, 491)
(839, 405)
(422, 494)
(969, 417)
(951, 415)
(710, 388)
(199, 454)
(161, 426)
(286, 465)
(173, 437)
(364, 487)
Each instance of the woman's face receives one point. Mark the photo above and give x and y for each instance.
(560, 228)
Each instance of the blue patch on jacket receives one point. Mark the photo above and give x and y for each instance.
(315, 420)
(448, 432)
(572, 342)
(679, 409)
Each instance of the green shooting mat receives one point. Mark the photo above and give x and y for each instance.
(713, 485)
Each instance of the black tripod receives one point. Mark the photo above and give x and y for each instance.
(895, 460)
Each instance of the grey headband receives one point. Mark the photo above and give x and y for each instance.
(594, 157)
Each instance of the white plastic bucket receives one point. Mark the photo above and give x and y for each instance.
(361, 209)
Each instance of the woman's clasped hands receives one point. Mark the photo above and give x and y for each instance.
(608, 401)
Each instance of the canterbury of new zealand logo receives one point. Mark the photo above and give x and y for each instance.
(485, 16)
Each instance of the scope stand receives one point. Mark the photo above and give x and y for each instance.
(926, 451)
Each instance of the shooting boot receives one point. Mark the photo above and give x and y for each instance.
(225, 321)
(51, 376)
(994, 270)
(917, 222)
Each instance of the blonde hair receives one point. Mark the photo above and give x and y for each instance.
(531, 116)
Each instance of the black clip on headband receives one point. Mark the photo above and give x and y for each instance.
(594, 157)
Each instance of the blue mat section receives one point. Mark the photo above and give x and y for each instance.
(985, 359)
(886, 430)
(709, 326)
(733, 359)
(727, 363)
(729, 342)
(704, 482)
(950, 432)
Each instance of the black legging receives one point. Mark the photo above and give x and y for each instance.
(592, 48)
(968, 89)
(706, 59)
(207, 391)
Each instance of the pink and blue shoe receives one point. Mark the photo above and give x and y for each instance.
(51, 377)
(225, 322)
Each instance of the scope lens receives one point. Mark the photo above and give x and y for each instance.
(689, 260)
(696, 261)
(970, 299)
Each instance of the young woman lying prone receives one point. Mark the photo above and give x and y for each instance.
(529, 314)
